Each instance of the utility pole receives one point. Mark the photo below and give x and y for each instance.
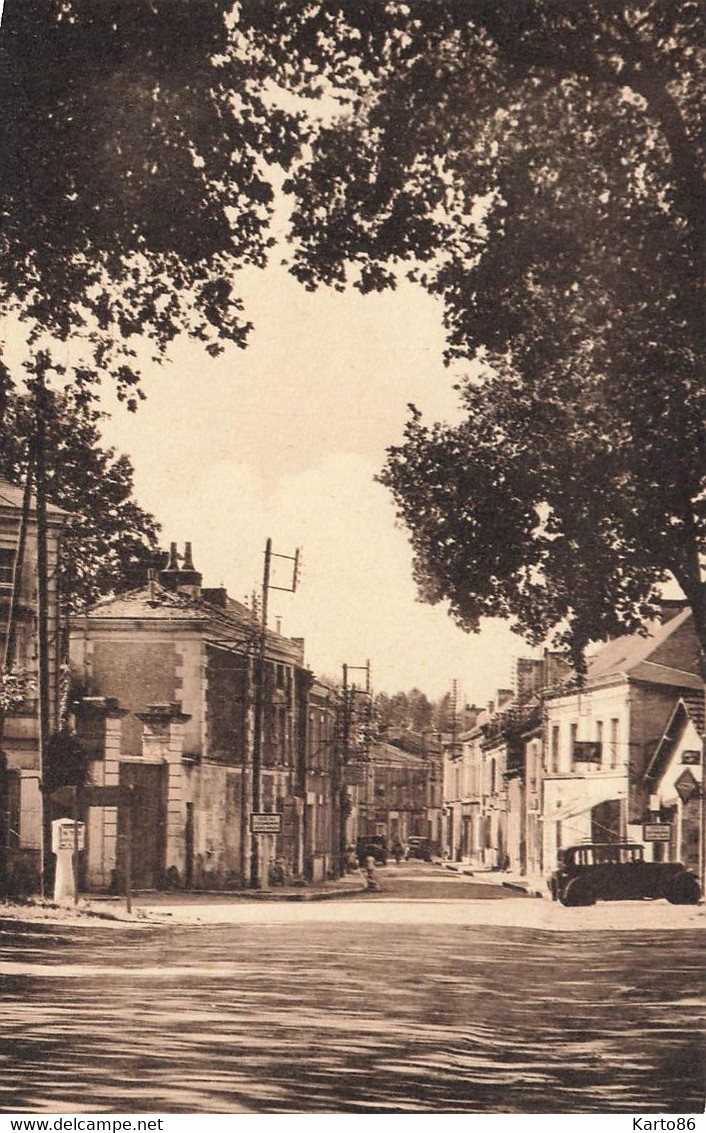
(267, 585)
(348, 695)
(42, 611)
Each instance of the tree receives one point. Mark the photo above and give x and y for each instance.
(107, 534)
(538, 165)
(135, 142)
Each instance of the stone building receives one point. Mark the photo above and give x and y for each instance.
(166, 680)
(20, 797)
(398, 787)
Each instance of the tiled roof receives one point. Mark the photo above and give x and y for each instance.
(11, 496)
(157, 603)
(625, 655)
(147, 602)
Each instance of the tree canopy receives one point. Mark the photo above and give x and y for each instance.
(134, 144)
(537, 164)
(107, 534)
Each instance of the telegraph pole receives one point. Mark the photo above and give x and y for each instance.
(255, 880)
(348, 695)
(42, 611)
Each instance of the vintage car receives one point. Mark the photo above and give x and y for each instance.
(418, 847)
(617, 871)
(372, 846)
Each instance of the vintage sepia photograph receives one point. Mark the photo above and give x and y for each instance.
(352, 560)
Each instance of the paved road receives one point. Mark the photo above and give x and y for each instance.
(344, 1017)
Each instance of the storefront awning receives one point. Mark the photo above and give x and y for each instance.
(565, 798)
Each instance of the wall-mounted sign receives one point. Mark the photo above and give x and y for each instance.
(265, 823)
(586, 751)
(692, 757)
(687, 786)
(656, 832)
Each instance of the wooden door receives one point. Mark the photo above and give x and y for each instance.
(149, 783)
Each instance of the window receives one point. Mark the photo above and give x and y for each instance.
(555, 748)
(614, 743)
(573, 736)
(7, 564)
(599, 738)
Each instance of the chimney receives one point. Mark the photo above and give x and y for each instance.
(184, 579)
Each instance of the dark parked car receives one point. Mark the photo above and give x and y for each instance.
(617, 871)
(418, 847)
(372, 846)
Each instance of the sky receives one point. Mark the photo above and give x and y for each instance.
(284, 440)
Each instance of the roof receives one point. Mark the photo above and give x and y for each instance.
(11, 496)
(689, 708)
(154, 602)
(147, 602)
(624, 654)
(387, 753)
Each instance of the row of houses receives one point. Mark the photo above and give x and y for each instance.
(153, 705)
(555, 761)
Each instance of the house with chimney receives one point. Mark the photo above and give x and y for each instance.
(609, 741)
(165, 683)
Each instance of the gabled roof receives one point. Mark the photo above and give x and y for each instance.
(688, 708)
(634, 656)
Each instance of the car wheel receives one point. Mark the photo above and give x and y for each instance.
(577, 892)
(685, 891)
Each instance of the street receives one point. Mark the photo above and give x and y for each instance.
(334, 1014)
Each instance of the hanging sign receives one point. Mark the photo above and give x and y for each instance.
(587, 751)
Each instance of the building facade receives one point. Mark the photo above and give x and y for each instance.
(166, 681)
(21, 810)
(599, 738)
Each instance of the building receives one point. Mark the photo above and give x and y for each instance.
(600, 738)
(396, 804)
(21, 836)
(319, 768)
(674, 783)
(166, 682)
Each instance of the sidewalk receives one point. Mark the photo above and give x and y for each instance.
(345, 886)
(101, 909)
(533, 886)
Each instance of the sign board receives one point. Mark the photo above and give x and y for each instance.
(687, 786)
(63, 835)
(656, 832)
(692, 757)
(587, 751)
(265, 823)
